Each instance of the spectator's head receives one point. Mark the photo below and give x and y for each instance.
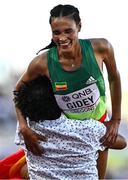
(36, 100)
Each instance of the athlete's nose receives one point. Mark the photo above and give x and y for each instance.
(62, 39)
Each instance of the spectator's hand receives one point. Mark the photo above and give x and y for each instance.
(111, 134)
(32, 139)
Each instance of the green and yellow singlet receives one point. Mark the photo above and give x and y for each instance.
(80, 93)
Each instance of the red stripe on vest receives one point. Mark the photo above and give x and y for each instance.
(103, 117)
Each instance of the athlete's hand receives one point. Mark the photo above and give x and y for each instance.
(32, 139)
(111, 134)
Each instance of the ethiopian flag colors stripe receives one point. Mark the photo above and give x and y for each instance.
(61, 86)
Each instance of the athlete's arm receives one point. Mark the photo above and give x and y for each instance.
(107, 54)
(36, 68)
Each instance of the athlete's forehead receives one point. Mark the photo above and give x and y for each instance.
(62, 22)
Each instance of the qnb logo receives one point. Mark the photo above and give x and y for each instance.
(66, 98)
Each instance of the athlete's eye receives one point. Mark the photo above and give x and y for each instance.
(68, 31)
(56, 32)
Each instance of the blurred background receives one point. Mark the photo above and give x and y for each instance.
(25, 29)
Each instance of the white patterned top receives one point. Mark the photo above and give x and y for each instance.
(70, 152)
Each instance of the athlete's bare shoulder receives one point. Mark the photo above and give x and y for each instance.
(101, 45)
(39, 64)
(105, 51)
(37, 67)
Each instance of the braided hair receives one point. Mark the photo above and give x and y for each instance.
(62, 11)
(36, 100)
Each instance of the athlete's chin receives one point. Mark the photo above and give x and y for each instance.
(66, 49)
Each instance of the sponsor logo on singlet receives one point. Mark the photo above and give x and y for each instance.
(83, 100)
(91, 80)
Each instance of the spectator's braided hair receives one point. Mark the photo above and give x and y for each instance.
(36, 100)
(62, 11)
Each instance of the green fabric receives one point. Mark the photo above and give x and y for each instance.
(77, 80)
(100, 110)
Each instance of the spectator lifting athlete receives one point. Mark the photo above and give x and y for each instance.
(74, 67)
(72, 145)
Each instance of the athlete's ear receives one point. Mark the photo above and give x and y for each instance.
(79, 26)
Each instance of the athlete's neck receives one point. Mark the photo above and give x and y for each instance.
(73, 55)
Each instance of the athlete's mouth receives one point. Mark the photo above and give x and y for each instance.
(65, 45)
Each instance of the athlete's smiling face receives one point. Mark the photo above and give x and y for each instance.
(65, 33)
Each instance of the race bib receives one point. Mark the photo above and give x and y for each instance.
(83, 100)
